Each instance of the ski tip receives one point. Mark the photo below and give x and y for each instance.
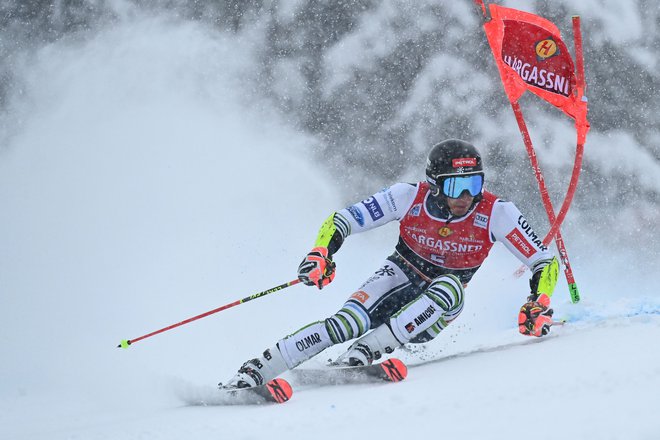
(124, 344)
(394, 369)
(280, 390)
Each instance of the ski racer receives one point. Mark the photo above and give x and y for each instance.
(448, 224)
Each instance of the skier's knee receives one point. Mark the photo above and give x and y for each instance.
(447, 292)
(425, 317)
(348, 323)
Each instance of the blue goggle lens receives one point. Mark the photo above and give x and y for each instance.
(454, 186)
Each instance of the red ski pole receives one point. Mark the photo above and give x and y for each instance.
(127, 342)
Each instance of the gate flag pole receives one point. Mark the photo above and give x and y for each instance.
(531, 56)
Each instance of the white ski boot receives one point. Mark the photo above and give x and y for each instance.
(258, 371)
(370, 347)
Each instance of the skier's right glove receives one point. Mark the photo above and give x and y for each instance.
(317, 269)
(535, 317)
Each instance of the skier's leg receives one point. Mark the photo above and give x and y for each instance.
(386, 291)
(421, 319)
(351, 321)
(288, 353)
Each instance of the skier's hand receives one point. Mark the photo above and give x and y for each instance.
(317, 269)
(535, 317)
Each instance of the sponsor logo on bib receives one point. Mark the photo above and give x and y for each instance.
(445, 231)
(481, 221)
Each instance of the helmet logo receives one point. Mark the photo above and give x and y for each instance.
(464, 162)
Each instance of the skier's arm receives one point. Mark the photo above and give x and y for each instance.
(510, 227)
(383, 207)
(544, 280)
(332, 233)
(317, 268)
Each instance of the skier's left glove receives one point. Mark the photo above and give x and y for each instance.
(535, 317)
(317, 269)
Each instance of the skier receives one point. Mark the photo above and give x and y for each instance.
(447, 226)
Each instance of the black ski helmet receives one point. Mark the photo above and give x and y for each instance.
(452, 157)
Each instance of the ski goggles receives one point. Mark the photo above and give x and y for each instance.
(453, 187)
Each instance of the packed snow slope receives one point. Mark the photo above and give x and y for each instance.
(144, 183)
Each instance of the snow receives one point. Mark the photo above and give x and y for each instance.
(623, 21)
(144, 185)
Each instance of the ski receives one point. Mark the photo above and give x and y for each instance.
(391, 370)
(280, 391)
(275, 391)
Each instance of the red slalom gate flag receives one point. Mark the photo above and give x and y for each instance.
(531, 56)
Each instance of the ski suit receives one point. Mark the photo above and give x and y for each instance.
(419, 289)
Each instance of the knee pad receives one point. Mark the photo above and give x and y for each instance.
(414, 318)
(348, 323)
(427, 315)
(447, 292)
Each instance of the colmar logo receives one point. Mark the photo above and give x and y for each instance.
(546, 49)
(385, 270)
(464, 162)
(531, 234)
(308, 341)
(519, 242)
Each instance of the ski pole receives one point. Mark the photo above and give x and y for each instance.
(127, 342)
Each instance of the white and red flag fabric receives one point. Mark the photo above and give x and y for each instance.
(531, 56)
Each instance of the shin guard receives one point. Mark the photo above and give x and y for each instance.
(305, 344)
